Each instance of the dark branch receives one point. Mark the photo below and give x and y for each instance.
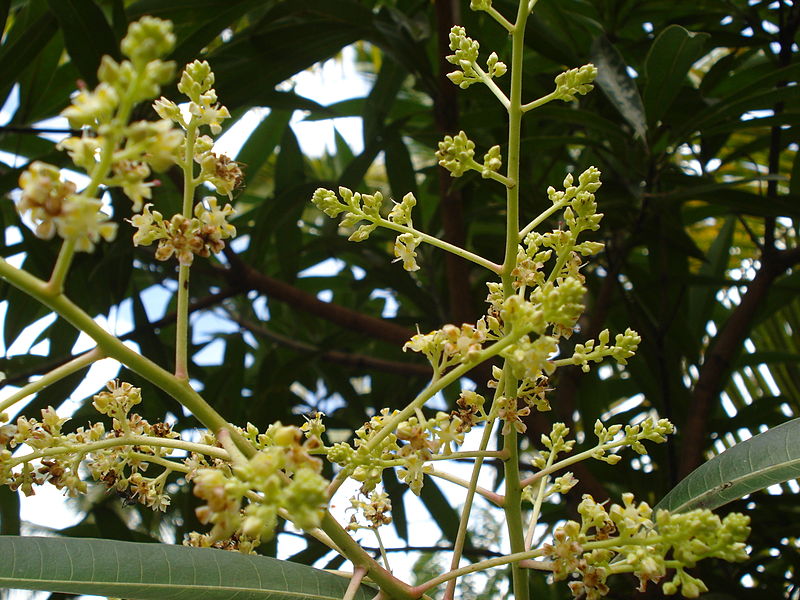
(356, 361)
(242, 275)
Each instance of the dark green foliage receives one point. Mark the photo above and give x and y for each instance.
(689, 188)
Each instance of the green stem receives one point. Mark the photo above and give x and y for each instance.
(540, 102)
(434, 241)
(479, 566)
(472, 489)
(537, 505)
(394, 420)
(513, 503)
(50, 378)
(112, 347)
(493, 12)
(394, 587)
(182, 309)
(492, 497)
(476, 166)
(538, 220)
(337, 482)
(61, 268)
(489, 82)
(571, 461)
(125, 440)
(382, 548)
(471, 454)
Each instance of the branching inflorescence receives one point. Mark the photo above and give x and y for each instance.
(247, 479)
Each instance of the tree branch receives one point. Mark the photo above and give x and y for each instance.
(356, 361)
(242, 275)
(726, 346)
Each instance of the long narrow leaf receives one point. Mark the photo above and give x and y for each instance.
(767, 459)
(159, 571)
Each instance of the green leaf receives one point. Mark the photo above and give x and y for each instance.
(262, 142)
(399, 167)
(767, 459)
(702, 298)
(159, 571)
(5, 5)
(666, 66)
(82, 20)
(23, 44)
(617, 85)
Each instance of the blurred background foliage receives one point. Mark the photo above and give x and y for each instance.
(694, 126)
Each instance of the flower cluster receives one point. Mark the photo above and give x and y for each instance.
(376, 510)
(42, 436)
(196, 83)
(53, 206)
(112, 151)
(184, 238)
(453, 345)
(117, 457)
(626, 538)
(652, 429)
(203, 234)
(409, 446)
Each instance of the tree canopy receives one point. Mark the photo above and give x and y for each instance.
(695, 131)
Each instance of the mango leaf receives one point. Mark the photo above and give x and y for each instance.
(666, 66)
(617, 84)
(83, 20)
(767, 459)
(159, 571)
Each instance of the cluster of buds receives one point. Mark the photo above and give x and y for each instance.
(412, 444)
(456, 154)
(560, 485)
(575, 81)
(652, 429)
(196, 83)
(556, 443)
(531, 359)
(121, 468)
(465, 57)
(626, 538)
(203, 234)
(367, 207)
(624, 346)
(244, 498)
(184, 238)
